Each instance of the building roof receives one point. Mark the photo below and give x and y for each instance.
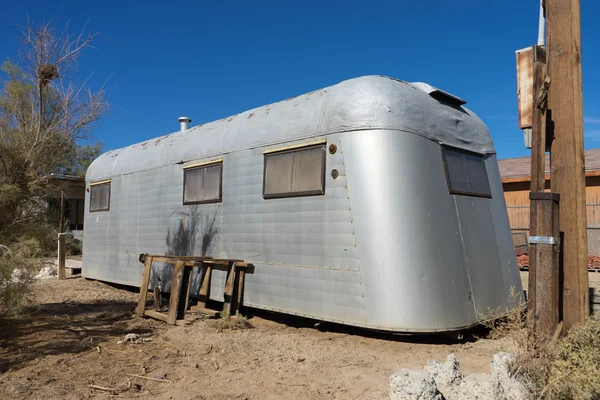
(62, 177)
(360, 104)
(520, 167)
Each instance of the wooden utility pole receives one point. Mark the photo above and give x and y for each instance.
(544, 256)
(538, 160)
(543, 288)
(565, 107)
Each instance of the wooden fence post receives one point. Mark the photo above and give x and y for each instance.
(62, 274)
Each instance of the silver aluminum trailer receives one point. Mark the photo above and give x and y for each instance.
(374, 202)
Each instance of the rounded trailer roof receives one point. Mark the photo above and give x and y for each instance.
(365, 103)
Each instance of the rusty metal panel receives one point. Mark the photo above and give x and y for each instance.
(525, 86)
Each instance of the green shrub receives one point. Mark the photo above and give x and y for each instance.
(553, 367)
(18, 265)
(235, 322)
(575, 369)
(556, 368)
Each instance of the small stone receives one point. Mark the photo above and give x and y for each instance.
(300, 359)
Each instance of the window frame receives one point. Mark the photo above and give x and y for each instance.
(96, 184)
(487, 195)
(202, 165)
(293, 149)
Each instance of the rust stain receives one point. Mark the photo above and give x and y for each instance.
(251, 115)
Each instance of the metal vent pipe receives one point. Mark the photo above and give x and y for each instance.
(185, 123)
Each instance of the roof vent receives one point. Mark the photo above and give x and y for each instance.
(438, 94)
(185, 123)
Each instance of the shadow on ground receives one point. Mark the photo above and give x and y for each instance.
(445, 338)
(64, 328)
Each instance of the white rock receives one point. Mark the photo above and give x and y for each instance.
(506, 387)
(447, 376)
(409, 384)
(445, 381)
(476, 387)
(46, 273)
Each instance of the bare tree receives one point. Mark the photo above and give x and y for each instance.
(63, 109)
(44, 111)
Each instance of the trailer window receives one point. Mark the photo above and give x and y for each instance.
(298, 172)
(202, 184)
(100, 196)
(466, 173)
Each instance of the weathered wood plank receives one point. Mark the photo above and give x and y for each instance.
(205, 285)
(144, 286)
(226, 261)
(173, 259)
(229, 284)
(157, 297)
(156, 315)
(186, 284)
(175, 292)
(240, 290)
(203, 310)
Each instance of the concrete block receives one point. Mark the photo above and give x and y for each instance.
(409, 384)
(439, 381)
(476, 387)
(446, 375)
(506, 387)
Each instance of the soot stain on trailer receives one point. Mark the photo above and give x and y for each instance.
(184, 240)
(196, 230)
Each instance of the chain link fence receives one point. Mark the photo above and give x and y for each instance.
(518, 217)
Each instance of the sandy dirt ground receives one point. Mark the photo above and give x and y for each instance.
(67, 341)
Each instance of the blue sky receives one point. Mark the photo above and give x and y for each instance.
(212, 59)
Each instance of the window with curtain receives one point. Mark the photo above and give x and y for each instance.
(100, 196)
(203, 184)
(297, 172)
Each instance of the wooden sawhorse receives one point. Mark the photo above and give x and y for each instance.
(182, 280)
(234, 284)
